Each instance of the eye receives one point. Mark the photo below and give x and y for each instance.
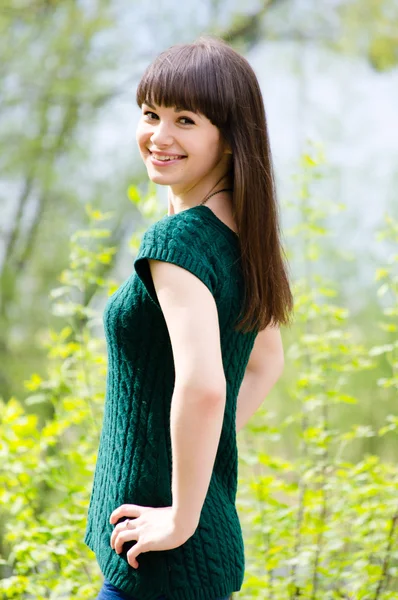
(183, 120)
(150, 114)
(189, 121)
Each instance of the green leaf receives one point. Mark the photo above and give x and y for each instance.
(377, 350)
(36, 399)
(133, 194)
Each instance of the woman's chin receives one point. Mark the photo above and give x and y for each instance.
(161, 178)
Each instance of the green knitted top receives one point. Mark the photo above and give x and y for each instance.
(134, 457)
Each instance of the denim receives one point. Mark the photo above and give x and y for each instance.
(110, 592)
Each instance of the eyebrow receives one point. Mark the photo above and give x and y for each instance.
(181, 109)
(177, 109)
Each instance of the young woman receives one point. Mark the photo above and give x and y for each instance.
(193, 335)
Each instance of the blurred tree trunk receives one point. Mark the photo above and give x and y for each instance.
(51, 85)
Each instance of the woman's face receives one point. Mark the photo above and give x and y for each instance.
(179, 147)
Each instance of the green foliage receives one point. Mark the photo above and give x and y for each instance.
(55, 80)
(370, 27)
(48, 467)
(323, 526)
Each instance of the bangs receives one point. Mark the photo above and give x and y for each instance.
(191, 78)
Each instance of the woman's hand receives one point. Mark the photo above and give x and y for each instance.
(152, 528)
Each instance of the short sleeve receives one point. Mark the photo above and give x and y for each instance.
(181, 241)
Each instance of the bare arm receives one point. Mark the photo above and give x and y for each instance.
(264, 368)
(252, 393)
(198, 402)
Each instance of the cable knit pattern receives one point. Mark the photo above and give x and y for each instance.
(134, 457)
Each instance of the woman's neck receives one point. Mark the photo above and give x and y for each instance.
(178, 202)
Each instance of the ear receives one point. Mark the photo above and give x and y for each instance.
(227, 148)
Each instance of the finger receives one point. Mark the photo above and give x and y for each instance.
(123, 537)
(125, 510)
(118, 528)
(133, 553)
(126, 524)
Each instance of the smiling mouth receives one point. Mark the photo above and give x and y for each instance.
(166, 157)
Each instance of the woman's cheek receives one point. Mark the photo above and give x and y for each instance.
(143, 133)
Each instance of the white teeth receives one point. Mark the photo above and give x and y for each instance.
(163, 157)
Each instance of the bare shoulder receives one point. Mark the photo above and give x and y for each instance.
(223, 211)
(268, 343)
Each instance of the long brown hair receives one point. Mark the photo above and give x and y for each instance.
(211, 78)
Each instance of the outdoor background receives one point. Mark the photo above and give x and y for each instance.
(318, 475)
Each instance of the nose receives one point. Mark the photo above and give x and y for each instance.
(161, 137)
